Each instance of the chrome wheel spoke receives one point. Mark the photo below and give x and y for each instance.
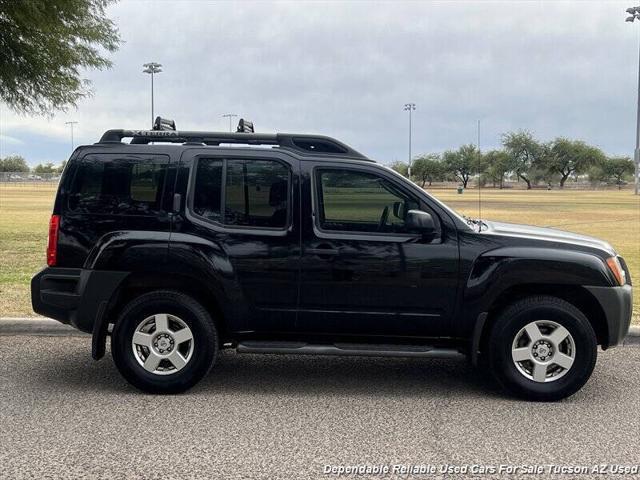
(539, 372)
(562, 360)
(177, 360)
(144, 339)
(558, 335)
(162, 322)
(182, 336)
(521, 354)
(152, 362)
(533, 331)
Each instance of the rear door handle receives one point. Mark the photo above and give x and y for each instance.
(323, 251)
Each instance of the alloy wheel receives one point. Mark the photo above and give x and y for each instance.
(543, 351)
(162, 344)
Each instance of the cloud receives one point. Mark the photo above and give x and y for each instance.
(346, 69)
(7, 140)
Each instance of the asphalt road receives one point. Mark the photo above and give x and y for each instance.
(64, 415)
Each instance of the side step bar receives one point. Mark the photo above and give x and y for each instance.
(348, 349)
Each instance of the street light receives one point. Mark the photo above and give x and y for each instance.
(634, 14)
(230, 116)
(410, 107)
(152, 68)
(71, 124)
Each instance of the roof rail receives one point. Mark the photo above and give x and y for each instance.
(306, 144)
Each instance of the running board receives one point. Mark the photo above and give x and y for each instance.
(348, 349)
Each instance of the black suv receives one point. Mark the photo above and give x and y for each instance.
(179, 243)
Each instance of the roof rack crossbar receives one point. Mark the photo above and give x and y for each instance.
(308, 144)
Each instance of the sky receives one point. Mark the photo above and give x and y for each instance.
(345, 69)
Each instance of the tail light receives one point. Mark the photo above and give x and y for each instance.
(52, 247)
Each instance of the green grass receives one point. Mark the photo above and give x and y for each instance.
(611, 215)
(24, 220)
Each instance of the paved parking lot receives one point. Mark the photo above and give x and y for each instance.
(64, 415)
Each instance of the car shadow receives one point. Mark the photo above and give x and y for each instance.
(297, 375)
(329, 375)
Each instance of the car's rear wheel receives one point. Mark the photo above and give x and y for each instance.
(164, 342)
(542, 348)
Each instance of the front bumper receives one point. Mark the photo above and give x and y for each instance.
(617, 304)
(74, 296)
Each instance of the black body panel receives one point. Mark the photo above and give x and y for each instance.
(297, 281)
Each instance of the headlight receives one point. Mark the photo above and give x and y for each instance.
(617, 270)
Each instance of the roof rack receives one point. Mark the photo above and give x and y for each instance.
(306, 144)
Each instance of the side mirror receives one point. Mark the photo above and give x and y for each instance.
(420, 222)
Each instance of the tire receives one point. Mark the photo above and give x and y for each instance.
(164, 342)
(524, 346)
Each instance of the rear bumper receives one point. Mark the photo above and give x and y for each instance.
(74, 296)
(617, 304)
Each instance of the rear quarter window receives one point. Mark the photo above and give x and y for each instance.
(118, 184)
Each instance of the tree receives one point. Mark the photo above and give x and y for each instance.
(45, 45)
(400, 167)
(572, 157)
(46, 168)
(615, 169)
(428, 168)
(60, 169)
(619, 168)
(497, 164)
(542, 174)
(13, 163)
(526, 152)
(462, 163)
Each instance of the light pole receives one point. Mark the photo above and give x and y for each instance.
(71, 124)
(152, 68)
(634, 14)
(410, 107)
(230, 116)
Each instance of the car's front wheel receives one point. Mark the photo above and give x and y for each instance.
(164, 342)
(542, 348)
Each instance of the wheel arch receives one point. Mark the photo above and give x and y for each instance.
(576, 295)
(139, 283)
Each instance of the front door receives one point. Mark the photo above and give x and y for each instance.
(363, 271)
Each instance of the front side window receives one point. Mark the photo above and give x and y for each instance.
(118, 185)
(356, 201)
(251, 193)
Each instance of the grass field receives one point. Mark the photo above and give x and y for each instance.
(611, 215)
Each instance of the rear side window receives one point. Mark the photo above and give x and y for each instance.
(118, 185)
(238, 192)
(207, 200)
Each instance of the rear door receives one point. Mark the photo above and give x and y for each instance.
(363, 272)
(244, 205)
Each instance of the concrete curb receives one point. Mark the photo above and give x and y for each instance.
(48, 327)
(37, 326)
(633, 338)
